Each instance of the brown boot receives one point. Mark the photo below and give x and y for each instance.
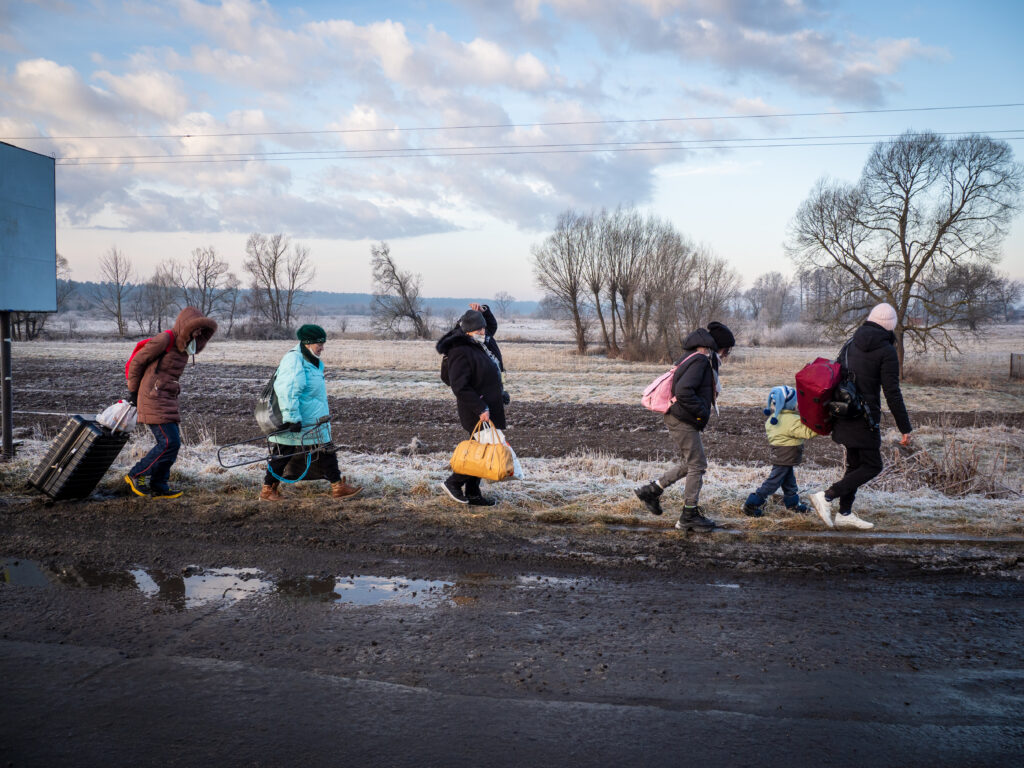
(342, 490)
(269, 492)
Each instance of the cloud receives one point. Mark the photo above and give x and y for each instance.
(782, 38)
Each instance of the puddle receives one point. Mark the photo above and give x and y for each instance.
(369, 590)
(195, 587)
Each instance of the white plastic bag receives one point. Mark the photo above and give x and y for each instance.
(120, 417)
(491, 434)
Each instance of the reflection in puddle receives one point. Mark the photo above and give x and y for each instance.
(368, 590)
(195, 587)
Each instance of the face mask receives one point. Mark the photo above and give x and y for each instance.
(191, 348)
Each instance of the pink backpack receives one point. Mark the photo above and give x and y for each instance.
(658, 396)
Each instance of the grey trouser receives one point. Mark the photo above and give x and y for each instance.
(692, 462)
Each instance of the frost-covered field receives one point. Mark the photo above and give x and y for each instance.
(578, 488)
(598, 486)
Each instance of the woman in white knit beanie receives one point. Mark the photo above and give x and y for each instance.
(871, 357)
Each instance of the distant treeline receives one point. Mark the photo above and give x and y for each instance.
(83, 293)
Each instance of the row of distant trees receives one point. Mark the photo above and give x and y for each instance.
(922, 229)
(633, 279)
(276, 272)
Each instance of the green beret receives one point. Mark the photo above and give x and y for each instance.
(311, 334)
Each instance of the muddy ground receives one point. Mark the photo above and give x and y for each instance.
(542, 643)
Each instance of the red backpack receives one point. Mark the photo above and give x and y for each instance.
(139, 346)
(815, 384)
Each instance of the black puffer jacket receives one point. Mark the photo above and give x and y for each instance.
(693, 384)
(873, 360)
(475, 379)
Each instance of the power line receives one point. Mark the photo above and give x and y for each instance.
(595, 146)
(183, 161)
(519, 125)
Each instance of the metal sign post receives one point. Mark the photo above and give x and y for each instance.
(5, 389)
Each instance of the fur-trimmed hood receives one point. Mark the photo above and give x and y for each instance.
(190, 320)
(456, 337)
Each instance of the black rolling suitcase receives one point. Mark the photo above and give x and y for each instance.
(77, 460)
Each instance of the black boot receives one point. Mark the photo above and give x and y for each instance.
(693, 519)
(650, 495)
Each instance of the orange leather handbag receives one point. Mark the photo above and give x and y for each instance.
(490, 461)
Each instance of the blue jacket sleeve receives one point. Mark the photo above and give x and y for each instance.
(291, 380)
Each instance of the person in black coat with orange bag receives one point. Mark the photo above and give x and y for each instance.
(871, 357)
(475, 374)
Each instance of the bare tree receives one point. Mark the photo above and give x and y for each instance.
(628, 271)
(712, 288)
(396, 297)
(152, 304)
(231, 299)
(504, 299)
(558, 268)
(769, 298)
(1008, 294)
(116, 274)
(279, 271)
(923, 207)
(203, 281)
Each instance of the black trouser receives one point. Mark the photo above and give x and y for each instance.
(862, 465)
(472, 484)
(325, 458)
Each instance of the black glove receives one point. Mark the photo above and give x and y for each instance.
(505, 397)
(292, 426)
(133, 398)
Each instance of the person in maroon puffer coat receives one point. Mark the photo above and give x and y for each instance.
(153, 387)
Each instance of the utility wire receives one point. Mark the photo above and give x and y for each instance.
(523, 125)
(182, 161)
(595, 146)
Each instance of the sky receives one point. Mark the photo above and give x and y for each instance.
(188, 123)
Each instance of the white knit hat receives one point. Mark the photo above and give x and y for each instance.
(884, 315)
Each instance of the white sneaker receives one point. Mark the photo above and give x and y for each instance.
(852, 521)
(822, 507)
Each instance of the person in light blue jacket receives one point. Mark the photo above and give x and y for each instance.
(302, 398)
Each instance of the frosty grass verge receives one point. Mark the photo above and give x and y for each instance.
(586, 487)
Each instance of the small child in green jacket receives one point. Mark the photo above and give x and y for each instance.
(786, 435)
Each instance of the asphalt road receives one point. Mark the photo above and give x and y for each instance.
(137, 666)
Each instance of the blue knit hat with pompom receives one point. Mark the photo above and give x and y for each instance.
(780, 399)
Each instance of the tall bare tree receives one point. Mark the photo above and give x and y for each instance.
(558, 268)
(279, 271)
(712, 288)
(151, 305)
(924, 206)
(116, 273)
(396, 297)
(203, 281)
